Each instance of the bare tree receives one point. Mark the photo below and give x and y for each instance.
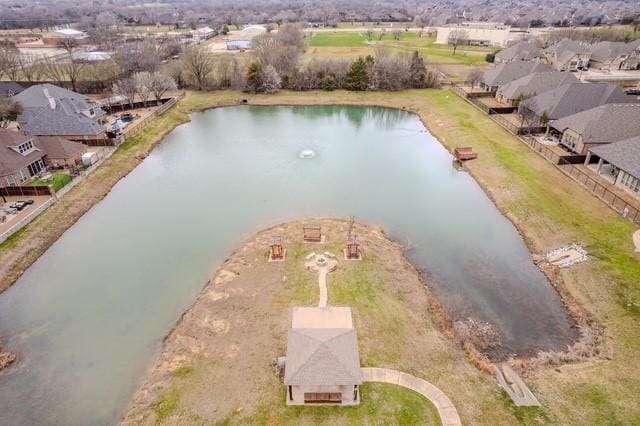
(475, 77)
(29, 68)
(271, 81)
(9, 58)
(456, 38)
(159, 84)
(199, 63)
(142, 81)
(137, 57)
(127, 88)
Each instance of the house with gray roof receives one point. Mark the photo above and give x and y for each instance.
(50, 110)
(598, 126)
(620, 161)
(571, 99)
(521, 51)
(568, 55)
(322, 365)
(10, 88)
(21, 158)
(507, 72)
(608, 55)
(532, 84)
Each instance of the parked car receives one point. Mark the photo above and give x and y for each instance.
(633, 92)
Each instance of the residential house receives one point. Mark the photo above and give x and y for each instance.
(239, 45)
(568, 55)
(10, 88)
(60, 152)
(608, 55)
(323, 362)
(632, 61)
(21, 159)
(50, 110)
(530, 85)
(623, 161)
(570, 99)
(510, 71)
(521, 51)
(204, 33)
(598, 126)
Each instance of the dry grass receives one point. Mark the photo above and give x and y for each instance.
(549, 209)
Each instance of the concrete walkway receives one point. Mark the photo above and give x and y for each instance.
(447, 412)
(322, 283)
(636, 240)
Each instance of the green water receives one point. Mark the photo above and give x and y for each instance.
(88, 316)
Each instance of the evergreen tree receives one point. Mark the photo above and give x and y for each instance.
(357, 77)
(254, 77)
(417, 71)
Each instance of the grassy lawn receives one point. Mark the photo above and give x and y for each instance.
(338, 39)
(58, 182)
(548, 209)
(353, 44)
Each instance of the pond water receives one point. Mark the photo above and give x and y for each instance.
(90, 314)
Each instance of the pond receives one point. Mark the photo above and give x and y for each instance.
(90, 314)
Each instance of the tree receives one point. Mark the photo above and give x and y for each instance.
(9, 58)
(127, 88)
(142, 81)
(199, 63)
(138, 57)
(271, 81)
(10, 109)
(456, 38)
(254, 77)
(159, 84)
(357, 77)
(417, 71)
(475, 77)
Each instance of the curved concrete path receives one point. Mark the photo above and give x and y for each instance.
(447, 412)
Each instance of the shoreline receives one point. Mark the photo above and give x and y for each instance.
(576, 312)
(187, 347)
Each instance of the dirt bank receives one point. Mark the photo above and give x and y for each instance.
(221, 350)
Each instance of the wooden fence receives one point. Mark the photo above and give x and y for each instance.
(138, 127)
(610, 198)
(24, 191)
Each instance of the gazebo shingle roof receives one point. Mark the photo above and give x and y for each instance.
(322, 357)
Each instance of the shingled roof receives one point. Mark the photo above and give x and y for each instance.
(522, 51)
(575, 97)
(607, 51)
(322, 357)
(53, 111)
(623, 154)
(12, 161)
(59, 148)
(507, 72)
(537, 82)
(603, 124)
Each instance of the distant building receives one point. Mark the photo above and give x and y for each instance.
(50, 110)
(204, 33)
(55, 37)
(615, 55)
(92, 56)
(482, 34)
(239, 45)
(568, 55)
(521, 51)
(323, 361)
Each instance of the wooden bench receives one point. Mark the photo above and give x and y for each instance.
(464, 153)
(312, 233)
